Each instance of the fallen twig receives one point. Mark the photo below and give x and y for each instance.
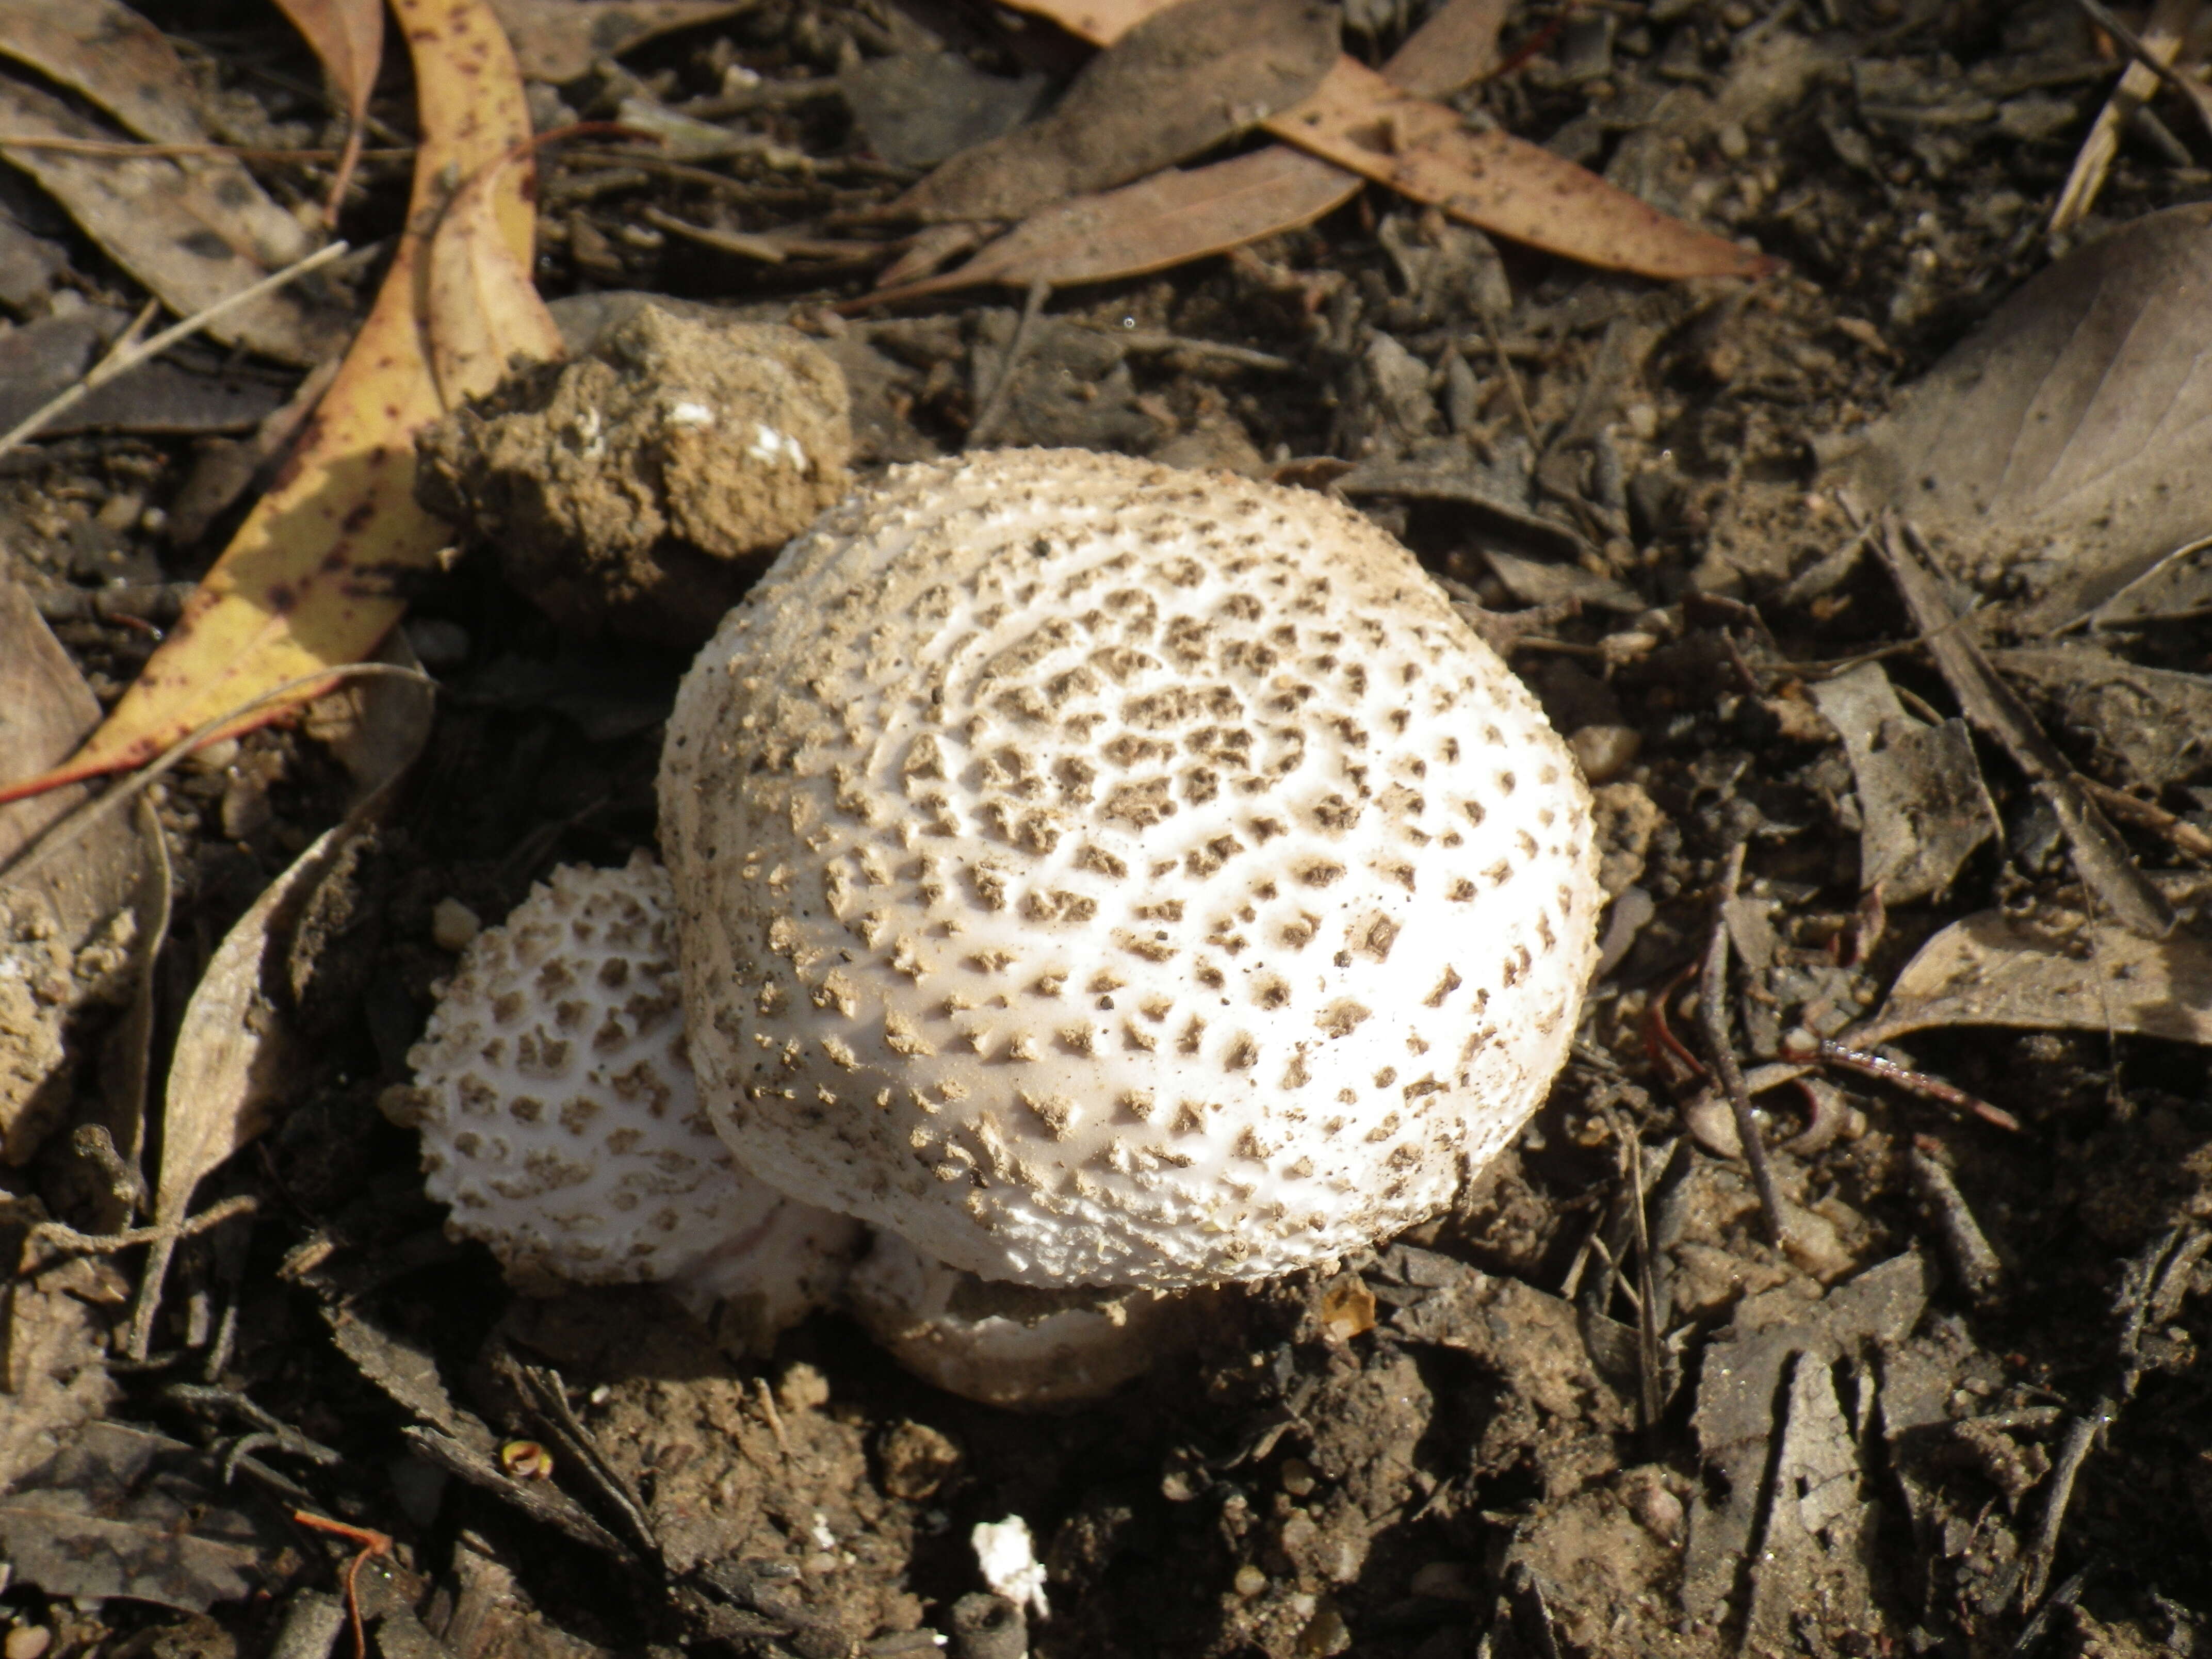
(1712, 1014)
(122, 362)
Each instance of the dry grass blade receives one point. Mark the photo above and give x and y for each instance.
(2162, 35)
(348, 38)
(128, 353)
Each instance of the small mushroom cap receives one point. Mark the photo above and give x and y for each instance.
(560, 1120)
(1012, 1346)
(1100, 874)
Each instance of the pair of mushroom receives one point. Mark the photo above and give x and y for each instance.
(1089, 876)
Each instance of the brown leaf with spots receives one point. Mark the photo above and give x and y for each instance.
(485, 313)
(313, 578)
(348, 38)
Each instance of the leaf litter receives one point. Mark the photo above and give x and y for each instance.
(1372, 1478)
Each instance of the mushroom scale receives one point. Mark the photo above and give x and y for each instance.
(1100, 874)
(560, 1120)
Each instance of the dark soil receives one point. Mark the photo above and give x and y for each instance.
(1484, 1464)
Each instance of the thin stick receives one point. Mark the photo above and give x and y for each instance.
(995, 405)
(116, 364)
(2137, 48)
(232, 152)
(1512, 379)
(1712, 1014)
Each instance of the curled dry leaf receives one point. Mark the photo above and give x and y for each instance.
(307, 582)
(2052, 972)
(237, 1051)
(348, 39)
(1183, 80)
(485, 310)
(2062, 444)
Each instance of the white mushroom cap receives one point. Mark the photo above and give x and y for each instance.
(559, 1119)
(1012, 1345)
(1099, 874)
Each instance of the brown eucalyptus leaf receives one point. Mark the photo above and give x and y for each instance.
(2053, 973)
(1455, 47)
(238, 1051)
(1175, 216)
(2062, 444)
(560, 39)
(184, 232)
(1365, 122)
(348, 39)
(1179, 83)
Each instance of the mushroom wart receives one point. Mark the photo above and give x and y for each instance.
(1097, 874)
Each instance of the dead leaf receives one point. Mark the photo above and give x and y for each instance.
(2062, 445)
(1181, 81)
(485, 316)
(1499, 183)
(119, 62)
(348, 39)
(1363, 122)
(1176, 215)
(177, 231)
(125, 1512)
(1922, 806)
(2101, 858)
(308, 581)
(47, 917)
(560, 39)
(2152, 726)
(51, 1345)
(1457, 47)
(2050, 973)
(1737, 1393)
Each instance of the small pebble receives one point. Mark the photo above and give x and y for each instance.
(1250, 1581)
(453, 924)
(1603, 751)
(27, 1642)
(1298, 1477)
